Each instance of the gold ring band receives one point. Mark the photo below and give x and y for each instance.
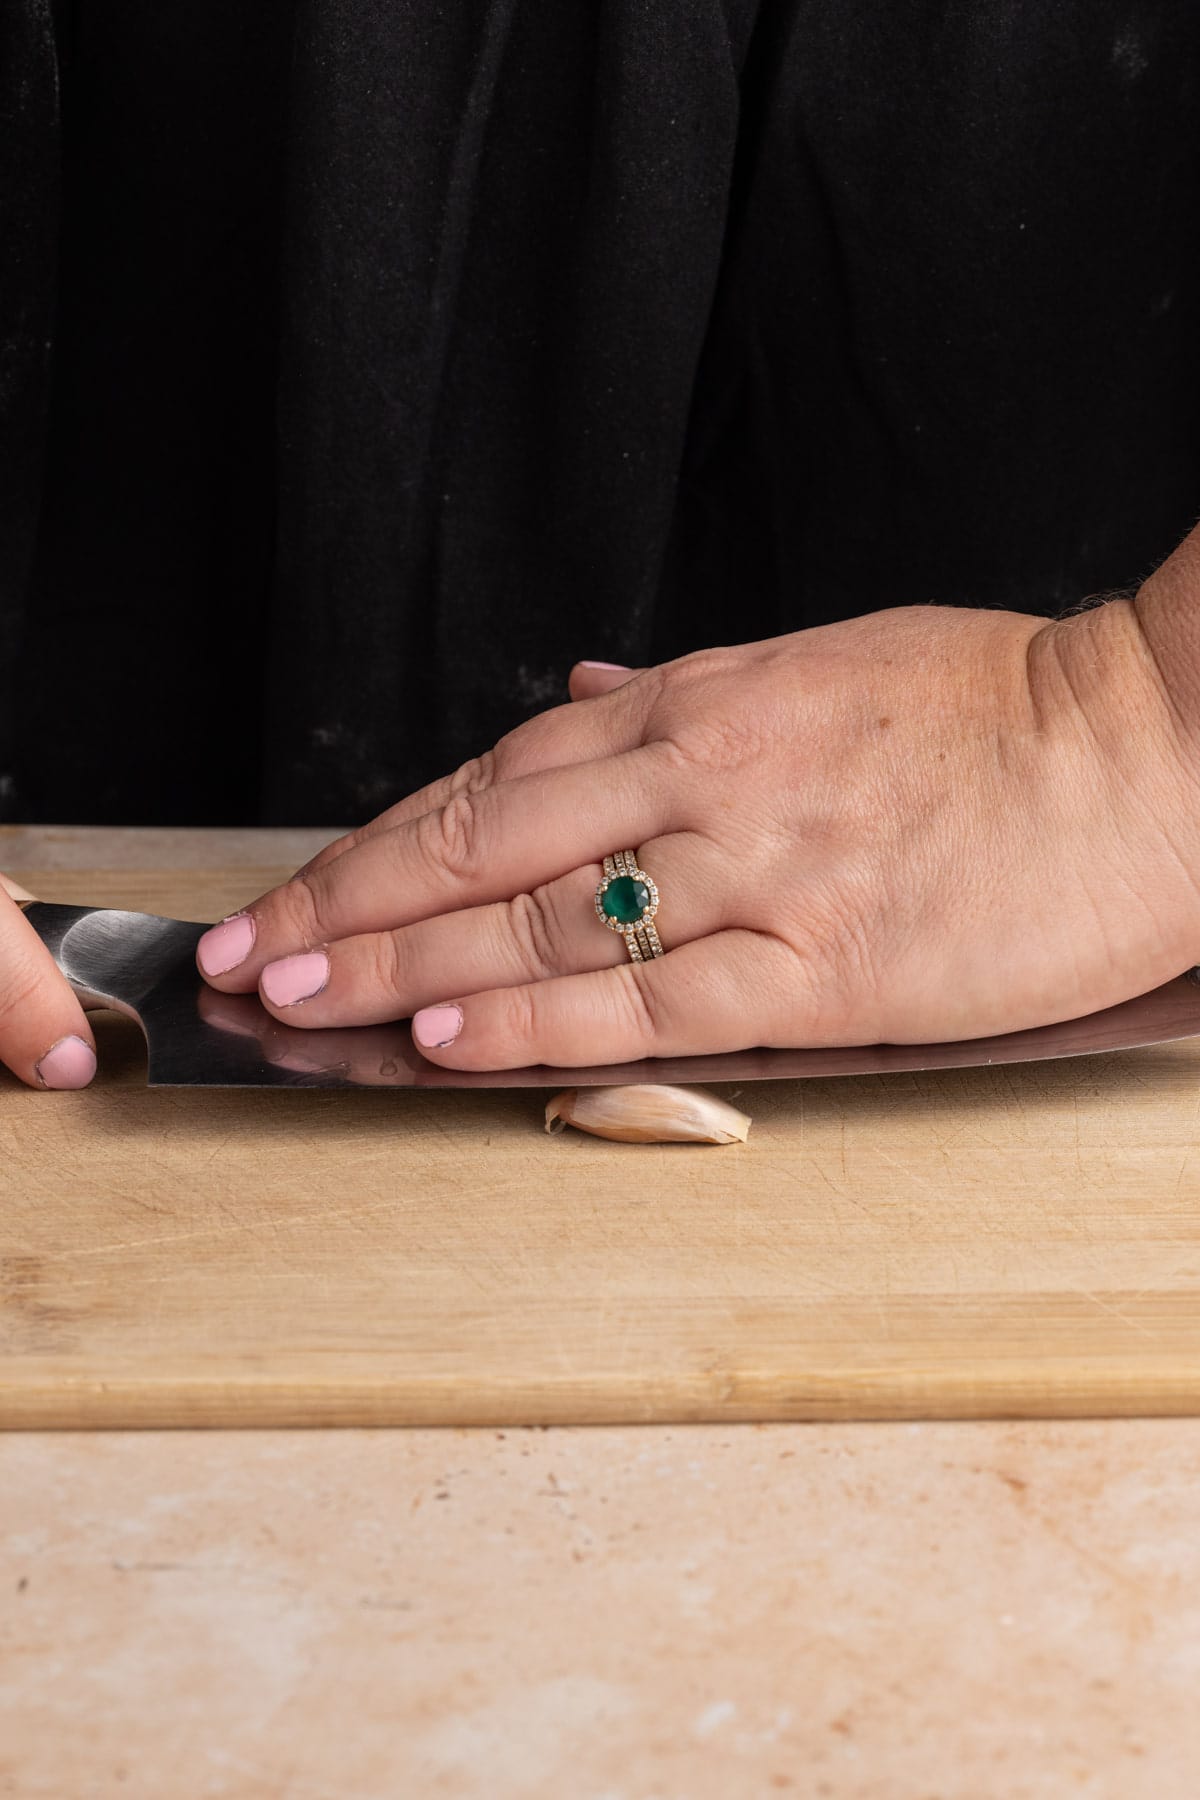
(627, 901)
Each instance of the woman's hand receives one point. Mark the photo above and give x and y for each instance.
(44, 1035)
(920, 825)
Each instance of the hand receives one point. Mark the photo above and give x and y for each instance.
(44, 1036)
(921, 825)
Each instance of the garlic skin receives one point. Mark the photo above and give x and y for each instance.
(645, 1114)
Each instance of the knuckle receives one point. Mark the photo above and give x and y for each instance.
(329, 853)
(350, 840)
(798, 1006)
(673, 689)
(657, 685)
(521, 1024)
(640, 1019)
(722, 741)
(303, 905)
(391, 966)
(451, 837)
(674, 757)
(836, 963)
(477, 774)
(705, 716)
(512, 750)
(534, 927)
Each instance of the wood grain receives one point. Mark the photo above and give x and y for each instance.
(1021, 1241)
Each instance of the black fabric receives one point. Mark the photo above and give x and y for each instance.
(157, 515)
(404, 353)
(29, 181)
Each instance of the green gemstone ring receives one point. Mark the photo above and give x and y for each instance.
(626, 901)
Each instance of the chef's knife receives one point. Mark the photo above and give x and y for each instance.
(145, 966)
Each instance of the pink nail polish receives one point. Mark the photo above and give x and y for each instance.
(436, 1026)
(226, 945)
(295, 978)
(623, 667)
(68, 1064)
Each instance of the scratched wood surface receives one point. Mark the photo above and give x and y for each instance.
(997, 1242)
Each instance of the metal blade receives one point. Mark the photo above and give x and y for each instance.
(146, 967)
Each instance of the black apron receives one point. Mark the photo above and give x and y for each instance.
(367, 362)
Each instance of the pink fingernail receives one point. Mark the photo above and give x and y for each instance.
(226, 945)
(624, 667)
(68, 1064)
(436, 1026)
(295, 978)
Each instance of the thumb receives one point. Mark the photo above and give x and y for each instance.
(587, 679)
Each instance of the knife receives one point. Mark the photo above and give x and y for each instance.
(145, 967)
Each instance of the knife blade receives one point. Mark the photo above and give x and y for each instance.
(145, 966)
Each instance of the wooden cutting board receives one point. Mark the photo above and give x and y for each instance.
(992, 1242)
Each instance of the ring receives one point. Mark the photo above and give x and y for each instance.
(626, 901)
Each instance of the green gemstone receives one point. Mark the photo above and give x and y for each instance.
(625, 899)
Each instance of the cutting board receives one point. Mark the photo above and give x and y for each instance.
(991, 1242)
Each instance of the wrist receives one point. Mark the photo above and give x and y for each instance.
(1167, 612)
(1117, 696)
(1099, 670)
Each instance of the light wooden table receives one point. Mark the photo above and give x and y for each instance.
(893, 1612)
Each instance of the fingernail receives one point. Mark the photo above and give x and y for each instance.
(624, 667)
(226, 945)
(14, 890)
(436, 1026)
(68, 1064)
(295, 978)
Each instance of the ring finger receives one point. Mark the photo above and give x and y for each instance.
(553, 930)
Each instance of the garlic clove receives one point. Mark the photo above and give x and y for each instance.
(645, 1114)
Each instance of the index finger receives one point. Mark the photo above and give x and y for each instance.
(572, 733)
(478, 847)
